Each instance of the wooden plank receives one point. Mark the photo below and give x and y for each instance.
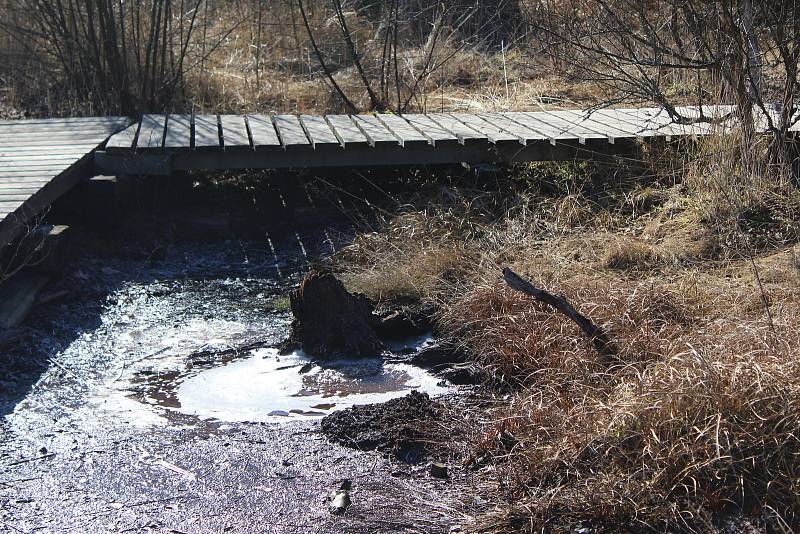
(464, 134)
(79, 121)
(319, 132)
(46, 149)
(609, 129)
(52, 130)
(124, 140)
(46, 144)
(291, 132)
(493, 133)
(263, 132)
(33, 165)
(375, 132)
(10, 206)
(565, 129)
(523, 133)
(29, 186)
(547, 131)
(151, 132)
(430, 129)
(408, 135)
(87, 137)
(22, 196)
(347, 131)
(21, 181)
(179, 132)
(234, 132)
(206, 132)
(24, 155)
(14, 158)
(17, 174)
(639, 126)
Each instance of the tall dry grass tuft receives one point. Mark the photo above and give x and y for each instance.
(692, 424)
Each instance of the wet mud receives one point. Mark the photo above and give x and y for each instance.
(151, 398)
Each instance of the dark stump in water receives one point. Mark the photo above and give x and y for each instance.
(329, 322)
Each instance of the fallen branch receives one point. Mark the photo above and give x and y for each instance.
(596, 334)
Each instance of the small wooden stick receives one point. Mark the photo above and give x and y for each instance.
(595, 333)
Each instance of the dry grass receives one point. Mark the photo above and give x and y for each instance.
(694, 420)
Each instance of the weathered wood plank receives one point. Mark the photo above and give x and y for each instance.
(464, 134)
(319, 131)
(87, 137)
(206, 132)
(18, 174)
(291, 132)
(79, 121)
(45, 149)
(15, 158)
(375, 132)
(565, 129)
(234, 132)
(22, 196)
(263, 131)
(34, 164)
(493, 133)
(124, 140)
(408, 135)
(523, 133)
(611, 131)
(548, 132)
(179, 132)
(46, 144)
(347, 131)
(32, 185)
(151, 132)
(436, 134)
(641, 127)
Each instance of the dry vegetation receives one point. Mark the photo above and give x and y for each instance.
(693, 421)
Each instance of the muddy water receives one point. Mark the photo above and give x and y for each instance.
(151, 399)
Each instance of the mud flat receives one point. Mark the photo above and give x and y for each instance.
(149, 397)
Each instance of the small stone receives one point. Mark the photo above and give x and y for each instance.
(43, 450)
(340, 501)
(438, 470)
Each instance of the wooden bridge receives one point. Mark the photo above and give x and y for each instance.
(161, 144)
(42, 159)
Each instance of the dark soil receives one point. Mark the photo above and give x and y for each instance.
(397, 427)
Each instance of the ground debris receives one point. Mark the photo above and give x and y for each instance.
(395, 427)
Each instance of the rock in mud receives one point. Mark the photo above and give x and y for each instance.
(463, 374)
(437, 355)
(396, 427)
(329, 322)
(403, 321)
(340, 499)
(438, 470)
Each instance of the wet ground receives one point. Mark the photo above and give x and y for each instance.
(148, 398)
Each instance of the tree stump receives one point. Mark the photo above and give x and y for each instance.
(329, 322)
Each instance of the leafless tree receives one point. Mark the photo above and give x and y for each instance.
(690, 51)
(413, 41)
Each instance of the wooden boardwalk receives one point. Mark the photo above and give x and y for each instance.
(41, 160)
(161, 144)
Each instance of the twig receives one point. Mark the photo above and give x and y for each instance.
(25, 461)
(595, 333)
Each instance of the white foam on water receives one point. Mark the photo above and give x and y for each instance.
(273, 387)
